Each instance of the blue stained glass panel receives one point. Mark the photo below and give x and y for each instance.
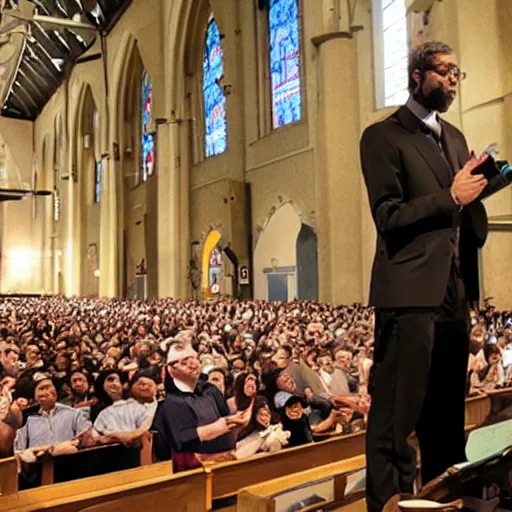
(284, 47)
(97, 181)
(213, 94)
(147, 139)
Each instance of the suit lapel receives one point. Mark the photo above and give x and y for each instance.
(426, 147)
(449, 149)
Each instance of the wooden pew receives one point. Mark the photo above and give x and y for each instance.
(34, 498)
(331, 478)
(477, 409)
(229, 477)
(8, 476)
(48, 461)
(186, 491)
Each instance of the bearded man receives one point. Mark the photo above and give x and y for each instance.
(430, 222)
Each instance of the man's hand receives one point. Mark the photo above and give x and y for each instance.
(466, 187)
(239, 419)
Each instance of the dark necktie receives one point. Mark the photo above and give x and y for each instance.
(435, 131)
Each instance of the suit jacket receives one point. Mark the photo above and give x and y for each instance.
(408, 180)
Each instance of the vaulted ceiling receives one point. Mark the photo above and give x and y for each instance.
(41, 41)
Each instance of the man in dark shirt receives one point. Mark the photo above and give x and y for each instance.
(194, 417)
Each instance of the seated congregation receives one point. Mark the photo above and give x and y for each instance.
(213, 381)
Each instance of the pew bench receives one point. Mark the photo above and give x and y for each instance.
(229, 477)
(8, 476)
(478, 408)
(43, 498)
(329, 482)
(48, 461)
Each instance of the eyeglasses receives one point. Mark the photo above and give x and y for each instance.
(453, 72)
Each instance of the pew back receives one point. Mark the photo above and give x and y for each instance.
(477, 409)
(329, 481)
(229, 477)
(34, 499)
(8, 476)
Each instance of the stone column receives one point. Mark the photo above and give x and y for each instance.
(108, 231)
(338, 181)
(184, 169)
(168, 210)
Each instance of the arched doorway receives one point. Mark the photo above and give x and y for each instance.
(307, 264)
(285, 258)
(87, 183)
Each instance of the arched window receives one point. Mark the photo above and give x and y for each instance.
(391, 49)
(147, 137)
(98, 162)
(57, 158)
(284, 56)
(213, 95)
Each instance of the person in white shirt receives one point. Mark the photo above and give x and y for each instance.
(143, 389)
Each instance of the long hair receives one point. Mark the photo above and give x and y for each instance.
(99, 386)
(242, 401)
(253, 425)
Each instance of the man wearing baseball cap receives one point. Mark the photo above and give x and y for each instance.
(294, 418)
(194, 417)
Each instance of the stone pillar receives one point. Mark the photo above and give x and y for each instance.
(184, 169)
(108, 231)
(168, 211)
(338, 190)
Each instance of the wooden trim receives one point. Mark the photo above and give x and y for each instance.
(229, 477)
(337, 469)
(131, 478)
(8, 476)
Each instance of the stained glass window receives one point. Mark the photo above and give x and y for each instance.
(97, 181)
(396, 50)
(284, 51)
(147, 139)
(213, 94)
(98, 169)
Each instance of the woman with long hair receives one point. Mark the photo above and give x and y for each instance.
(245, 389)
(108, 389)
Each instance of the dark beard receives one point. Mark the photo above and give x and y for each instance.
(437, 99)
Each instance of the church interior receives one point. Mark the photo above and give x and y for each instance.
(180, 191)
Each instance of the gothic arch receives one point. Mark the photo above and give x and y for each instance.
(285, 256)
(183, 48)
(86, 212)
(45, 210)
(135, 199)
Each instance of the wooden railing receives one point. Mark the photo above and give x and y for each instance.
(8, 476)
(229, 477)
(49, 462)
(263, 497)
(80, 491)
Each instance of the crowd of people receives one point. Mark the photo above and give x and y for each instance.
(216, 379)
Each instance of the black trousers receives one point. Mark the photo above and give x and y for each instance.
(418, 384)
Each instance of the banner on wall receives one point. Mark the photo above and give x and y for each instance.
(243, 274)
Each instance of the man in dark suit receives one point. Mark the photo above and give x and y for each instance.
(430, 224)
